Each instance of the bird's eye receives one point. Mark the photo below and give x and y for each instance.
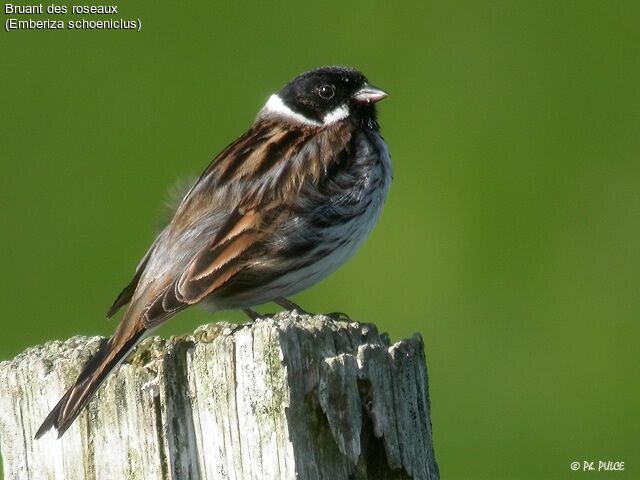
(326, 92)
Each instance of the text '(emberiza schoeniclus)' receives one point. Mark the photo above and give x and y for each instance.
(277, 211)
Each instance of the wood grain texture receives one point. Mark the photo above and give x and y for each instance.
(288, 397)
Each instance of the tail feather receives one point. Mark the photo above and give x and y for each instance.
(94, 373)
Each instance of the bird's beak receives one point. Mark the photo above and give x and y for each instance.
(369, 94)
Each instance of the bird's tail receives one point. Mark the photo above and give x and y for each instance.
(111, 353)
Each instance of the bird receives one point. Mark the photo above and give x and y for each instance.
(278, 210)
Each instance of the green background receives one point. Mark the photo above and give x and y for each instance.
(510, 238)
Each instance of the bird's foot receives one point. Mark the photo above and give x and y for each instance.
(252, 314)
(290, 306)
(339, 316)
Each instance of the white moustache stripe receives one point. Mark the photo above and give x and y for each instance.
(276, 106)
(336, 115)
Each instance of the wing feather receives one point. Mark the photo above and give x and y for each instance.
(221, 259)
(266, 169)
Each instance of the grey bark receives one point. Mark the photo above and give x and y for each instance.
(288, 397)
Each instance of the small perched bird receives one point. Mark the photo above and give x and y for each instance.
(277, 211)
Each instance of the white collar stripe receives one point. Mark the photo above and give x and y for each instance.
(276, 106)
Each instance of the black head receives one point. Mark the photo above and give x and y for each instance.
(329, 94)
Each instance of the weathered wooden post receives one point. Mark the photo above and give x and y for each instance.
(288, 397)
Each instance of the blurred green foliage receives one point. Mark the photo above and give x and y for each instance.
(510, 239)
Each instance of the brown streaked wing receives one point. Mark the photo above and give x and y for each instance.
(233, 160)
(250, 225)
(222, 259)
